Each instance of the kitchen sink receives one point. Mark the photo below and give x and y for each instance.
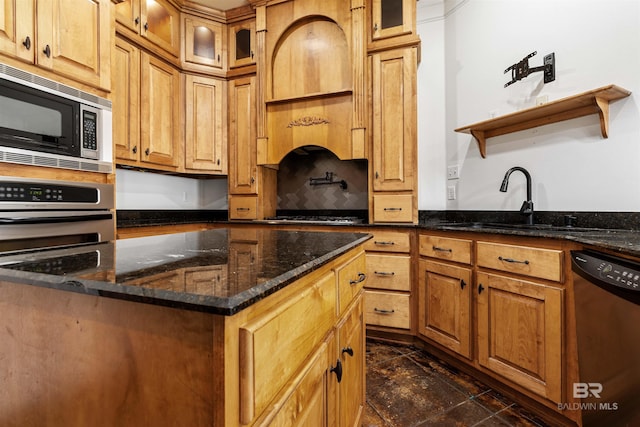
(511, 226)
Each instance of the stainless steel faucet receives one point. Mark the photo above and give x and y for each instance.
(527, 205)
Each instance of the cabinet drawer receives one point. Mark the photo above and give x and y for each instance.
(388, 241)
(446, 248)
(393, 208)
(243, 208)
(387, 309)
(528, 261)
(389, 272)
(270, 341)
(351, 278)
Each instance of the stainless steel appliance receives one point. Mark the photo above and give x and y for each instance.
(607, 299)
(37, 214)
(45, 123)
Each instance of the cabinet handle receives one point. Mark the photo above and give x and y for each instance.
(135, 149)
(243, 209)
(251, 54)
(462, 284)
(480, 288)
(377, 175)
(514, 261)
(348, 350)
(337, 370)
(146, 26)
(381, 311)
(361, 277)
(439, 249)
(47, 51)
(137, 20)
(27, 43)
(375, 27)
(218, 57)
(384, 273)
(253, 180)
(393, 209)
(383, 243)
(218, 162)
(146, 151)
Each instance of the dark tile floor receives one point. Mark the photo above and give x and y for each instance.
(408, 387)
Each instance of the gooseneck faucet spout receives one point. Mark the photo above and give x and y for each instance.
(527, 205)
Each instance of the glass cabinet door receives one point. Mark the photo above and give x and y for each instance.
(203, 42)
(391, 18)
(242, 42)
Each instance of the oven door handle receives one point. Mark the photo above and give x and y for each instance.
(55, 219)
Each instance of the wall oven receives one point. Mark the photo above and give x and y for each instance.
(46, 123)
(40, 214)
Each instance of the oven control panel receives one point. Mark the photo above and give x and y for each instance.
(29, 192)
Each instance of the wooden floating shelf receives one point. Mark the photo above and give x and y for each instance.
(591, 102)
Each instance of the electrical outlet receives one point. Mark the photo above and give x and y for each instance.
(453, 172)
(451, 192)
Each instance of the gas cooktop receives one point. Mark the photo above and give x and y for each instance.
(312, 219)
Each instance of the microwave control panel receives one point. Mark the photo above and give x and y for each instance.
(89, 133)
(16, 191)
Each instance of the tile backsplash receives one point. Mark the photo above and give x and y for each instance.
(296, 192)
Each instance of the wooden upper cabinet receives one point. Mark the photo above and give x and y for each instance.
(205, 136)
(126, 101)
(242, 137)
(69, 37)
(242, 40)
(146, 108)
(159, 112)
(204, 44)
(394, 119)
(392, 18)
(155, 20)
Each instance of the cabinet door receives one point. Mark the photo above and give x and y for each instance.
(204, 44)
(205, 140)
(520, 328)
(306, 406)
(242, 137)
(126, 100)
(242, 39)
(391, 18)
(159, 114)
(444, 305)
(128, 14)
(74, 39)
(17, 36)
(351, 349)
(160, 23)
(394, 119)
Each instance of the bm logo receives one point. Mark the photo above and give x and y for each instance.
(584, 390)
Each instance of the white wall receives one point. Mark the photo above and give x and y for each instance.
(145, 190)
(470, 43)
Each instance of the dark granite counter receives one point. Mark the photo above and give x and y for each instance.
(240, 267)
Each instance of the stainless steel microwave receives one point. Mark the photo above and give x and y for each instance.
(45, 123)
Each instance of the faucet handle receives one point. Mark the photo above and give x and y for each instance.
(527, 207)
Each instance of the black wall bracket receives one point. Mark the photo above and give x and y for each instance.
(521, 69)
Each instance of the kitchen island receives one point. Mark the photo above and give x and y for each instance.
(218, 327)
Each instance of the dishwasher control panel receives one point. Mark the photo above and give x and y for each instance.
(614, 271)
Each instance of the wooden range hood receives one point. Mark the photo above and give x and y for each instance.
(311, 78)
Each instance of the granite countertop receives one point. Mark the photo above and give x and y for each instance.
(240, 267)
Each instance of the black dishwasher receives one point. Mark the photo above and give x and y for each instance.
(607, 301)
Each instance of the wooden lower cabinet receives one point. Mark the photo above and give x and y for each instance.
(520, 332)
(106, 361)
(498, 306)
(444, 305)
